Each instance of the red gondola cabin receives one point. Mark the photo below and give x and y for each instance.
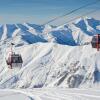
(96, 41)
(14, 60)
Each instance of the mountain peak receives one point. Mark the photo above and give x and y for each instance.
(85, 18)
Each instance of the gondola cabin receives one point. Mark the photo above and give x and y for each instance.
(14, 60)
(96, 41)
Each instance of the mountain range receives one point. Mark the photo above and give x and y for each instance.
(53, 56)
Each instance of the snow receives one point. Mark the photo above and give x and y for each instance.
(4, 36)
(52, 62)
(53, 56)
(50, 94)
(10, 95)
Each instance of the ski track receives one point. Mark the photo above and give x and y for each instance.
(58, 94)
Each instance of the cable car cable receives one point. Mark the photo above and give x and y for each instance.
(87, 13)
(84, 6)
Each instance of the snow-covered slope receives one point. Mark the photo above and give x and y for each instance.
(53, 56)
(50, 94)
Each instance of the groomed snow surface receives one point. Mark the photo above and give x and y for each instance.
(50, 94)
(55, 58)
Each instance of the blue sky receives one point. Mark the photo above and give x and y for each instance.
(40, 11)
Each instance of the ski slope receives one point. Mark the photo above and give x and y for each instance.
(50, 94)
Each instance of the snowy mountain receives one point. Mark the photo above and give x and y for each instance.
(54, 56)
